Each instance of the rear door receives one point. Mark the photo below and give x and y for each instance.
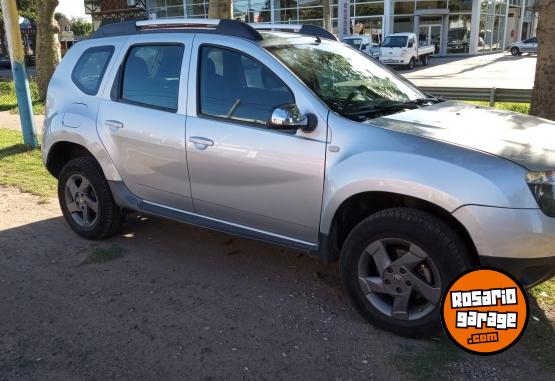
(241, 171)
(142, 120)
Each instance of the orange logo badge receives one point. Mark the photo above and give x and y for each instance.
(484, 311)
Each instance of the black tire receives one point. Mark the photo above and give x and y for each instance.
(446, 252)
(109, 216)
(426, 60)
(411, 64)
(515, 51)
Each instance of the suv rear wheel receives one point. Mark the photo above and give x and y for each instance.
(395, 265)
(86, 200)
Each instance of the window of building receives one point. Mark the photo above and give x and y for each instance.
(403, 7)
(251, 93)
(90, 68)
(151, 76)
(459, 34)
(403, 24)
(460, 5)
(420, 4)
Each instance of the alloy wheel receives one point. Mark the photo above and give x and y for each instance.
(399, 279)
(81, 201)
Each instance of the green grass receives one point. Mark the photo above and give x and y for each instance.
(8, 100)
(545, 293)
(22, 168)
(523, 108)
(100, 255)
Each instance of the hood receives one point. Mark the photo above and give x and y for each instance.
(525, 140)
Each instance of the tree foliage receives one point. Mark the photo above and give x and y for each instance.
(26, 8)
(81, 27)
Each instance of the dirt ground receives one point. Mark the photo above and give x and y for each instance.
(169, 301)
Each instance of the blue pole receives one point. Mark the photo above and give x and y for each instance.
(17, 56)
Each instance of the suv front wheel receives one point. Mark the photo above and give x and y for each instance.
(395, 265)
(86, 200)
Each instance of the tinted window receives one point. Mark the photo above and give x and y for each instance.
(151, 76)
(251, 93)
(89, 69)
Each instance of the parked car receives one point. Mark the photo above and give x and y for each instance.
(295, 139)
(5, 62)
(364, 44)
(403, 49)
(529, 45)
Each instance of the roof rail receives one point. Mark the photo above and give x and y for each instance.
(305, 29)
(226, 27)
(177, 22)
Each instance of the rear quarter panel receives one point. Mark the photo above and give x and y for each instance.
(71, 114)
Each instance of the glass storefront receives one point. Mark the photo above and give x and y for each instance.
(459, 34)
(368, 18)
(493, 18)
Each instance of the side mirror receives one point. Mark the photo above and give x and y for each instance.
(289, 118)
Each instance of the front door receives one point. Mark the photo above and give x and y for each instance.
(141, 121)
(242, 171)
(431, 35)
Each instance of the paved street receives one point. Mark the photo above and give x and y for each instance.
(491, 70)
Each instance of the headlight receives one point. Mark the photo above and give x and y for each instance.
(542, 185)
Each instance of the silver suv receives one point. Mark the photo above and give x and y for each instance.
(281, 133)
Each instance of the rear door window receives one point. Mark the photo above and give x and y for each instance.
(90, 68)
(151, 76)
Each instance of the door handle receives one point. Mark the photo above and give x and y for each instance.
(200, 141)
(113, 124)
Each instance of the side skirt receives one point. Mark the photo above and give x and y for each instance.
(124, 198)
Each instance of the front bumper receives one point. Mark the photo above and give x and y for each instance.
(520, 241)
(529, 271)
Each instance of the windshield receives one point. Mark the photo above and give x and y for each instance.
(395, 42)
(354, 42)
(349, 82)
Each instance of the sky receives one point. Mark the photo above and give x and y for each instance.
(73, 8)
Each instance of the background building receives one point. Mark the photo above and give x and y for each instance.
(106, 11)
(453, 26)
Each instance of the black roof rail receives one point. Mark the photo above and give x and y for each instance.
(116, 29)
(304, 29)
(225, 26)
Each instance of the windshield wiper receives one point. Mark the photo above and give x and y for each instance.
(392, 106)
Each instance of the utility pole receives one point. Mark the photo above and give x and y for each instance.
(17, 56)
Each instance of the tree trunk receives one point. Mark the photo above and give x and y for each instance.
(543, 98)
(48, 44)
(326, 8)
(220, 9)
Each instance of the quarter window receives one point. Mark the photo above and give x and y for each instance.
(90, 68)
(235, 86)
(151, 76)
